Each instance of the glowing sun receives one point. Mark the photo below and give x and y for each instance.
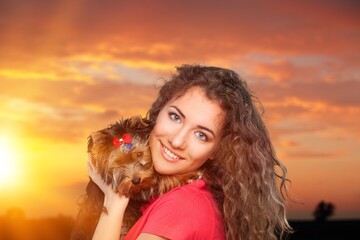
(8, 160)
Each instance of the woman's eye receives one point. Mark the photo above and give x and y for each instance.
(202, 136)
(174, 116)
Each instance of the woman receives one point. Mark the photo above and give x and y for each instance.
(204, 118)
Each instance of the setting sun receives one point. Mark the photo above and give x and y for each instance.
(8, 160)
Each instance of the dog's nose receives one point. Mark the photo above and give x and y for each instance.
(136, 181)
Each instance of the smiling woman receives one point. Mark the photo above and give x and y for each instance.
(8, 159)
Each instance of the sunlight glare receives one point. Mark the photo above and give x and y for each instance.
(8, 160)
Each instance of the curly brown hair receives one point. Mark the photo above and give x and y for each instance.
(245, 177)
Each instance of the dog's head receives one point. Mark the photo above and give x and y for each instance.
(122, 156)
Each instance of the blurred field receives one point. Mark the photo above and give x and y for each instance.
(15, 226)
(57, 228)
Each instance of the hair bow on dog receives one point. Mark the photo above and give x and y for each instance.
(125, 140)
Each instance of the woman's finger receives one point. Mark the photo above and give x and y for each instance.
(90, 166)
(96, 177)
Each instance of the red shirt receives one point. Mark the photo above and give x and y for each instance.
(186, 212)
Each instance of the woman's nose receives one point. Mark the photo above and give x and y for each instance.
(178, 139)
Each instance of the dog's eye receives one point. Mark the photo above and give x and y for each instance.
(139, 155)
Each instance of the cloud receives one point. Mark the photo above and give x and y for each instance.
(335, 94)
(156, 35)
(314, 155)
(65, 109)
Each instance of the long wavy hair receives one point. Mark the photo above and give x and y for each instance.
(245, 177)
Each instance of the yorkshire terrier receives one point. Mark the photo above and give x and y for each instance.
(121, 154)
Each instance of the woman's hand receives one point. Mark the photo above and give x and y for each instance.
(112, 200)
(96, 177)
(109, 225)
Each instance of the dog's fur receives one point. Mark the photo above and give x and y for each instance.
(130, 172)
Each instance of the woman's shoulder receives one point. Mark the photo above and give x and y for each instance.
(190, 209)
(195, 191)
(191, 200)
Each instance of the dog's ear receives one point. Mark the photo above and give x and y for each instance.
(93, 139)
(137, 122)
(95, 136)
(89, 144)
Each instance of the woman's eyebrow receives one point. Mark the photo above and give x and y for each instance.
(199, 126)
(207, 129)
(179, 111)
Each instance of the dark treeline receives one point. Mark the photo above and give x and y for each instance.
(329, 230)
(59, 228)
(20, 228)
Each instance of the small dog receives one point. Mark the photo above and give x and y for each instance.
(122, 156)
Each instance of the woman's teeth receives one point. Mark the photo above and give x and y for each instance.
(170, 154)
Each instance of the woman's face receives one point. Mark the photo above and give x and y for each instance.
(187, 132)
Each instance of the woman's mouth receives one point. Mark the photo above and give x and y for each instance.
(169, 155)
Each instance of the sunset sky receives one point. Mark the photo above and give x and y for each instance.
(71, 67)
